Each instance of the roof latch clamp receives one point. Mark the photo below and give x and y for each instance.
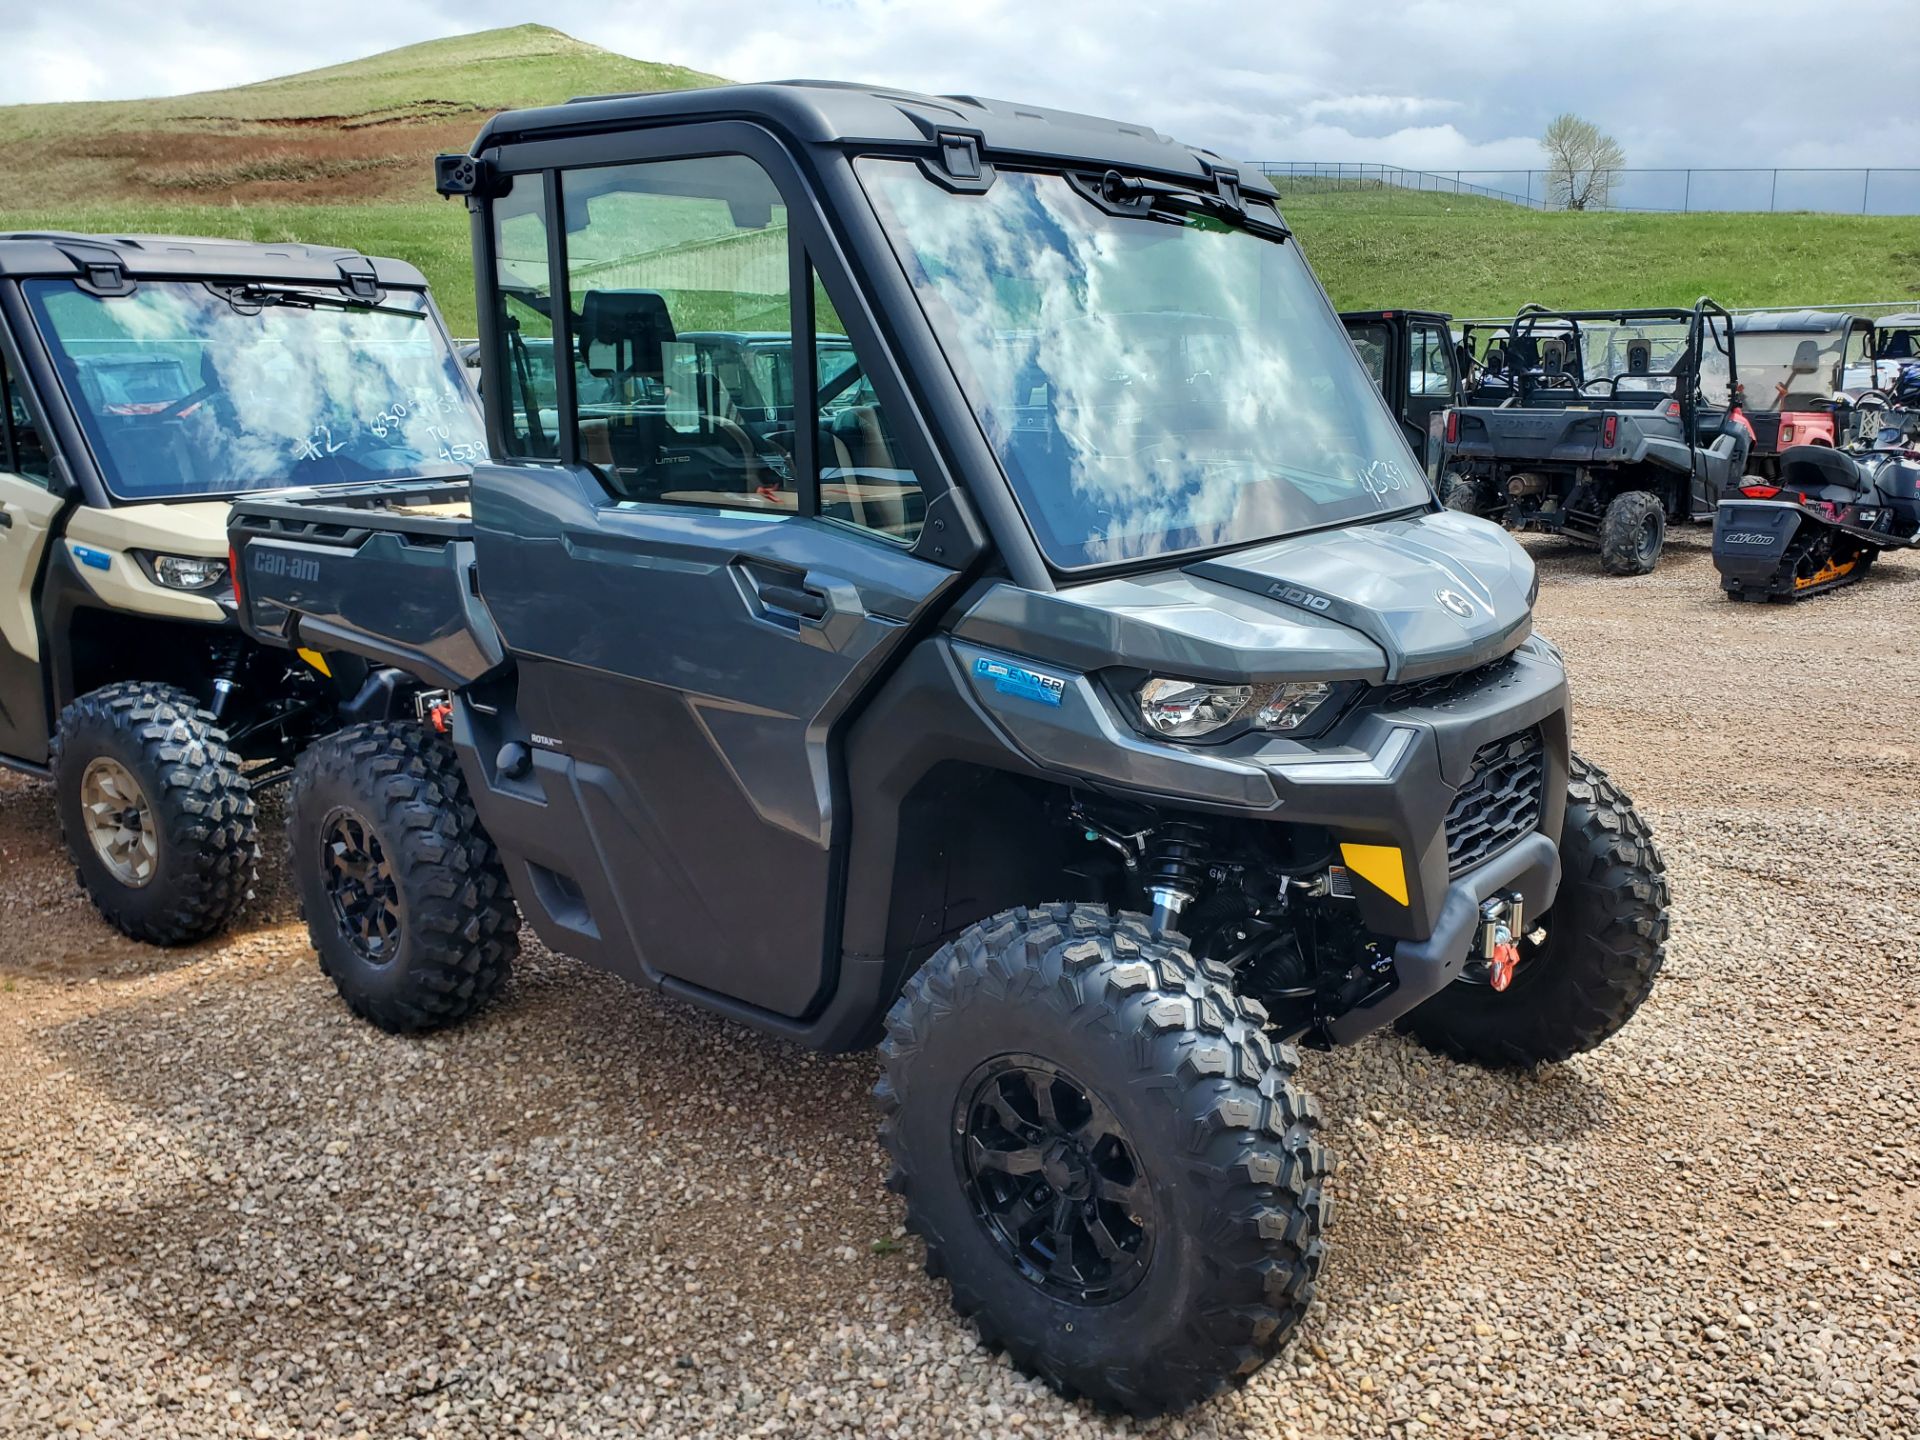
(1226, 180)
(360, 279)
(102, 277)
(960, 155)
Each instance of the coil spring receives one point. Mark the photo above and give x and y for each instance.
(1176, 858)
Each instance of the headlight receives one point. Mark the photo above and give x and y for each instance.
(1184, 709)
(188, 572)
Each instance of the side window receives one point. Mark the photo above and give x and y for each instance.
(24, 452)
(523, 321)
(1432, 371)
(864, 478)
(676, 270)
(1370, 343)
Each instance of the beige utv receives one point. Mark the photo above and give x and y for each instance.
(146, 381)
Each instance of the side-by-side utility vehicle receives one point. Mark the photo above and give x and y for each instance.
(146, 382)
(1414, 359)
(1793, 365)
(1604, 426)
(1078, 691)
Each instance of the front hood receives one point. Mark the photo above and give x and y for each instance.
(171, 527)
(1362, 603)
(1437, 592)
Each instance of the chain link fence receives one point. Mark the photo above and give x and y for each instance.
(1868, 191)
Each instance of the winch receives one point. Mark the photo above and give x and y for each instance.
(1500, 924)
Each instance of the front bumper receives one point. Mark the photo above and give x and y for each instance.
(1380, 781)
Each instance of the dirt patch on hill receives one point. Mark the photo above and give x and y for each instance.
(379, 156)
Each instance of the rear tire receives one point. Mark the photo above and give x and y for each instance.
(154, 810)
(1468, 496)
(1606, 935)
(1176, 1127)
(1632, 533)
(403, 892)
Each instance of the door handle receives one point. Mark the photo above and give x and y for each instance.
(807, 604)
(6, 517)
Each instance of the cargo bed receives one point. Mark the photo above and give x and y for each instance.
(382, 571)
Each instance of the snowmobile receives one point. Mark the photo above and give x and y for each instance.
(1821, 527)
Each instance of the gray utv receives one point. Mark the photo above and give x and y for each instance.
(1602, 426)
(1074, 687)
(146, 381)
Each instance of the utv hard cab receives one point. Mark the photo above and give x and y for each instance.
(1793, 367)
(147, 382)
(1091, 721)
(1416, 363)
(1604, 426)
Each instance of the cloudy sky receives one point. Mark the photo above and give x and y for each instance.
(1435, 84)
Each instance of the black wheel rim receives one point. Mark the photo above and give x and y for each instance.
(360, 886)
(1649, 538)
(1054, 1180)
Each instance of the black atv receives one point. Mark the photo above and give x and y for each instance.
(1042, 693)
(1604, 426)
(1821, 527)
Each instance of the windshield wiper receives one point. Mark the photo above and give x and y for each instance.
(250, 299)
(1223, 204)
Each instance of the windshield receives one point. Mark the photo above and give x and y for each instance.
(1149, 385)
(182, 391)
(1790, 370)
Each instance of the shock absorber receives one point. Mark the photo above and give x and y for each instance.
(1175, 870)
(225, 665)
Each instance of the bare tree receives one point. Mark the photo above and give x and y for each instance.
(1581, 163)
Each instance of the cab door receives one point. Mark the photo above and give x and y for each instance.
(29, 511)
(1432, 386)
(693, 603)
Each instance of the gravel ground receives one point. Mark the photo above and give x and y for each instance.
(227, 1208)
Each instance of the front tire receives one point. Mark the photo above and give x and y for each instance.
(1602, 942)
(1632, 533)
(403, 892)
(154, 810)
(1105, 1154)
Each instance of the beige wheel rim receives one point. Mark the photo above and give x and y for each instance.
(119, 822)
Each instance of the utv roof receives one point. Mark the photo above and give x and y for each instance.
(1403, 313)
(823, 112)
(1909, 321)
(60, 254)
(1800, 322)
(1619, 317)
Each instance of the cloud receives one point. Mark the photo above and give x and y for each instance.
(1437, 84)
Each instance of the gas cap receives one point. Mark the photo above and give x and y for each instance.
(514, 760)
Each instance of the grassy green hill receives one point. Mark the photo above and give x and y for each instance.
(343, 156)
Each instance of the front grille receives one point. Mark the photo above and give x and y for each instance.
(1500, 802)
(1437, 692)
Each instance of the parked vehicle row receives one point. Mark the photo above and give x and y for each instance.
(1606, 427)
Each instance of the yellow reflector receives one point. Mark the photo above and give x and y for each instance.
(319, 662)
(1380, 866)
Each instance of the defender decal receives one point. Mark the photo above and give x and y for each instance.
(1020, 682)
